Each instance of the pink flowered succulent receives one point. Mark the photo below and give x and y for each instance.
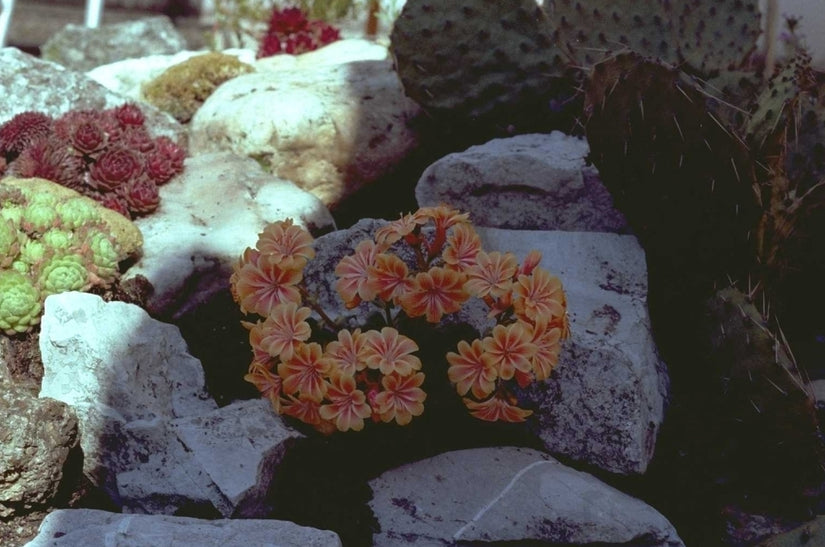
(291, 32)
(107, 155)
(425, 265)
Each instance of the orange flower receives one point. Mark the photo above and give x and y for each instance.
(434, 293)
(495, 409)
(389, 351)
(281, 239)
(510, 348)
(539, 295)
(353, 272)
(266, 382)
(261, 283)
(260, 353)
(548, 346)
(308, 411)
(463, 244)
(282, 331)
(346, 355)
(348, 406)
(303, 373)
(388, 277)
(392, 232)
(530, 262)
(492, 274)
(402, 398)
(470, 371)
(443, 215)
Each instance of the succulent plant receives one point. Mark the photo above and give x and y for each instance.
(46, 247)
(290, 31)
(107, 155)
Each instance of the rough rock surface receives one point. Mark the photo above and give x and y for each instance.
(506, 494)
(78, 47)
(54, 90)
(151, 436)
(329, 127)
(92, 528)
(605, 402)
(538, 182)
(207, 216)
(36, 436)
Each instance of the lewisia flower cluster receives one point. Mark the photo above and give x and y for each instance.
(426, 265)
(107, 155)
(291, 32)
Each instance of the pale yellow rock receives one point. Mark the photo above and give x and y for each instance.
(124, 230)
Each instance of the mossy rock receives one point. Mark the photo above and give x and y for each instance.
(182, 88)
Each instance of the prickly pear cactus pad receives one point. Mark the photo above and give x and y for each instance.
(467, 59)
(706, 36)
(684, 181)
(767, 408)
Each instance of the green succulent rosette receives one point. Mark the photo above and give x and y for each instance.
(20, 303)
(77, 212)
(38, 216)
(63, 273)
(9, 242)
(105, 254)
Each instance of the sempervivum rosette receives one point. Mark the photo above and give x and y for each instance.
(50, 159)
(63, 273)
(115, 168)
(20, 304)
(9, 242)
(141, 195)
(21, 131)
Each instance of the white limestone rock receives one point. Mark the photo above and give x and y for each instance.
(508, 495)
(207, 216)
(152, 438)
(50, 88)
(94, 528)
(537, 182)
(605, 402)
(330, 127)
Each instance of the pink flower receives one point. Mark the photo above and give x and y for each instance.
(259, 283)
(463, 244)
(284, 330)
(496, 409)
(388, 277)
(434, 293)
(401, 399)
(492, 274)
(389, 351)
(267, 383)
(348, 406)
(539, 295)
(346, 355)
(510, 348)
(471, 371)
(308, 411)
(304, 371)
(283, 240)
(353, 272)
(548, 347)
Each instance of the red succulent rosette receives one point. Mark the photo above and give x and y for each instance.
(141, 195)
(287, 21)
(88, 138)
(270, 45)
(21, 131)
(52, 160)
(128, 114)
(324, 33)
(114, 168)
(136, 138)
(113, 202)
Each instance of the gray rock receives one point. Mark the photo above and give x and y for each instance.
(526, 182)
(208, 215)
(151, 436)
(93, 528)
(330, 124)
(606, 400)
(506, 494)
(47, 87)
(36, 437)
(78, 47)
